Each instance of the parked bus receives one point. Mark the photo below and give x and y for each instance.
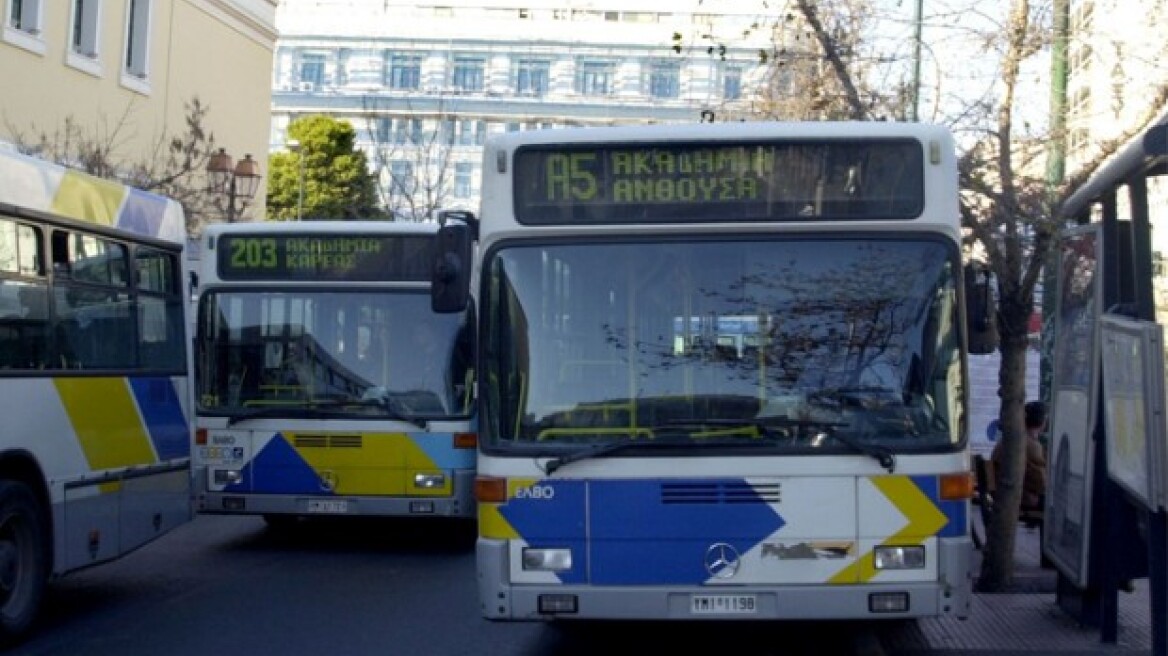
(93, 369)
(722, 373)
(325, 384)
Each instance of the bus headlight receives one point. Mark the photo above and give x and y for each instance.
(430, 481)
(892, 557)
(221, 477)
(547, 560)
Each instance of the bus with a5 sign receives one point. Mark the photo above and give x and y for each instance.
(723, 373)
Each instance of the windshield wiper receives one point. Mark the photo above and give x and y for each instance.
(882, 454)
(607, 449)
(321, 408)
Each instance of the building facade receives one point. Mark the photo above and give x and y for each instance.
(124, 72)
(1117, 71)
(424, 83)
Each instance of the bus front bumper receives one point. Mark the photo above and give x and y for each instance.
(950, 595)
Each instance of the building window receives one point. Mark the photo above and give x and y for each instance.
(311, 70)
(25, 15)
(468, 74)
(401, 174)
(84, 40)
(1080, 104)
(732, 84)
(665, 80)
(382, 129)
(531, 77)
(1080, 58)
(137, 32)
(405, 71)
(594, 78)
(466, 133)
(513, 127)
(462, 179)
(407, 131)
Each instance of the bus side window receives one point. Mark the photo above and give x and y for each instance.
(60, 254)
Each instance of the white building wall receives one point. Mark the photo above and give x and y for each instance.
(356, 38)
(1118, 58)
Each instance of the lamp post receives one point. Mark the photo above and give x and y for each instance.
(294, 146)
(237, 182)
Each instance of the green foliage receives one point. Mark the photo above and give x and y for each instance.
(338, 185)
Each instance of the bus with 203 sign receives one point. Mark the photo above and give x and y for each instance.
(324, 383)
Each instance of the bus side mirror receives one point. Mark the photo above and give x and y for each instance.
(981, 328)
(450, 274)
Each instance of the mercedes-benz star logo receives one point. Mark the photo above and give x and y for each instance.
(722, 560)
(328, 480)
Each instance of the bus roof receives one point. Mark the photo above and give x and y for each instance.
(39, 185)
(323, 227)
(730, 131)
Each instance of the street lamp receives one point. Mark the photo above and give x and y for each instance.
(238, 182)
(294, 146)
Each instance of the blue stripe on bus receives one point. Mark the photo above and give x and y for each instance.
(636, 537)
(279, 469)
(163, 413)
(142, 213)
(955, 511)
(439, 447)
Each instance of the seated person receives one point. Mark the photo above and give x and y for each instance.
(1034, 479)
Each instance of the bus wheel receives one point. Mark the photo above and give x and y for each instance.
(24, 563)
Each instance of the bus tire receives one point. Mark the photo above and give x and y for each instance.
(24, 559)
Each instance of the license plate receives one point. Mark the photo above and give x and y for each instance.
(705, 604)
(328, 506)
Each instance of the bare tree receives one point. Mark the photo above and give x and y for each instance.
(414, 155)
(175, 166)
(820, 66)
(1008, 210)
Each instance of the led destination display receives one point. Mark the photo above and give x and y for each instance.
(655, 183)
(325, 257)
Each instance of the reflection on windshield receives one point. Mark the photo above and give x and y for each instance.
(808, 343)
(362, 354)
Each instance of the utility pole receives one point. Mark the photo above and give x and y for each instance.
(1055, 172)
(916, 80)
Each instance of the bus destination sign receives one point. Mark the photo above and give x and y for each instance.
(703, 181)
(325, 257)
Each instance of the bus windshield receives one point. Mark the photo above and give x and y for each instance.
(814, 344)
(364, 354)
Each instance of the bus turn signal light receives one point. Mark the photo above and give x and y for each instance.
(466, 440)
(957, 487)
(489, 489)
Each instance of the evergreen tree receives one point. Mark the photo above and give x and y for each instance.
(338, 185)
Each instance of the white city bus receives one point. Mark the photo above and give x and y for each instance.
(93, 369)
(325, 385)
(722, 373)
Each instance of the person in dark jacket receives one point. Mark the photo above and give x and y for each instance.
(1034, 479)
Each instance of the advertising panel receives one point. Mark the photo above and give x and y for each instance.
(1071, 456)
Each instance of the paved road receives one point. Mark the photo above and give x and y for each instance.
(226, 585)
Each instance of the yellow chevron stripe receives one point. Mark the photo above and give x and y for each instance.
(924, 520)
(88, 198)
(492, 524)
(106, 421)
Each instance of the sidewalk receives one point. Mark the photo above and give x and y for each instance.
(1028, 621)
